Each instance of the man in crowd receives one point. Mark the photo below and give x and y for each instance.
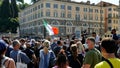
(57, 48)
(54, 44)
(22, 46)
(14, 53)
(97, 38)
(114, 35)
(93, 56)
(108, 48)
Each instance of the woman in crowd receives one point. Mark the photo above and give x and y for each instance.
(5, 62)
(30, 53)
(71, 42)
(75, 59)
(47, 56)
(61, 61)
(80, 48)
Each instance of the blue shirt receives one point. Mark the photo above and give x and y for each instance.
(23, 56)
(9, 49)
(45, 58)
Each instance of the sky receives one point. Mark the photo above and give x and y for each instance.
(92, 1)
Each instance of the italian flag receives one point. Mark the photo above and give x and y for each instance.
(50, 29)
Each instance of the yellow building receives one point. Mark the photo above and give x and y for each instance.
(66, 15)
(111, 17)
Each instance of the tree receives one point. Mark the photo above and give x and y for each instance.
(5, 11)
(33, 1)
(23, 6)
(22, 1)
(14, 9)
(9, 16)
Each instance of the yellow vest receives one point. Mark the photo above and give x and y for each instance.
(115, 62)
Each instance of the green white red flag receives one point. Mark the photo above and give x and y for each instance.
(51, 30)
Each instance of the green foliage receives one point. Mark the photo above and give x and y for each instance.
(5, 11)
(14, 9)
(23, 6)
(8, 16)
(33, 1)
(13, 24)
(9, 25)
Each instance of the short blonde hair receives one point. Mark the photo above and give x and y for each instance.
(46, 44)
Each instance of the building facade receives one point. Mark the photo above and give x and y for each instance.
(111, 17)
(119, 17)
(66, 15)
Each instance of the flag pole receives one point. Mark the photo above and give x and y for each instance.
(44, 30)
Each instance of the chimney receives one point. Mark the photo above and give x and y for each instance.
(88, 2)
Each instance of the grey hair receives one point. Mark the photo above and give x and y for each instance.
(15, 42)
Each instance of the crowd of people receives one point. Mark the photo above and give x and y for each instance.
(91, 52)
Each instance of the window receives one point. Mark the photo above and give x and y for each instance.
(101, 11)
(114, 15)
(42, 6)
(55, 14)
(31, 10)
(90, 10)
(101, 18)
(55, 6)
(69, 15)
(69, 24)
(69, 8)
(109, 15)
(77, 17)
(47, 5)
(91, 17)
(38, 15)
(96, 17)
(38, 6)
(109, 9)
(113, 21)
(96, 10)
(62, 6)
(109, 28)
(85, 17)
(35, 8)
(116, 21)
(63, 14)
(77, 8)
(85, 9)
(48, 13)
(41, 13)
(109, 21)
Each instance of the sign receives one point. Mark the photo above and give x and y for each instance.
(77, 34)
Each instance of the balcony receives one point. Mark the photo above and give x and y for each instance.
(113, 17)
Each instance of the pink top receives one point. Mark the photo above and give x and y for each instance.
(10, 63)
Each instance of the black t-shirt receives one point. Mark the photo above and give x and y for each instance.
(29, 52)
(75, 63)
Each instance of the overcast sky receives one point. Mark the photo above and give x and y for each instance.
(92, 1)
